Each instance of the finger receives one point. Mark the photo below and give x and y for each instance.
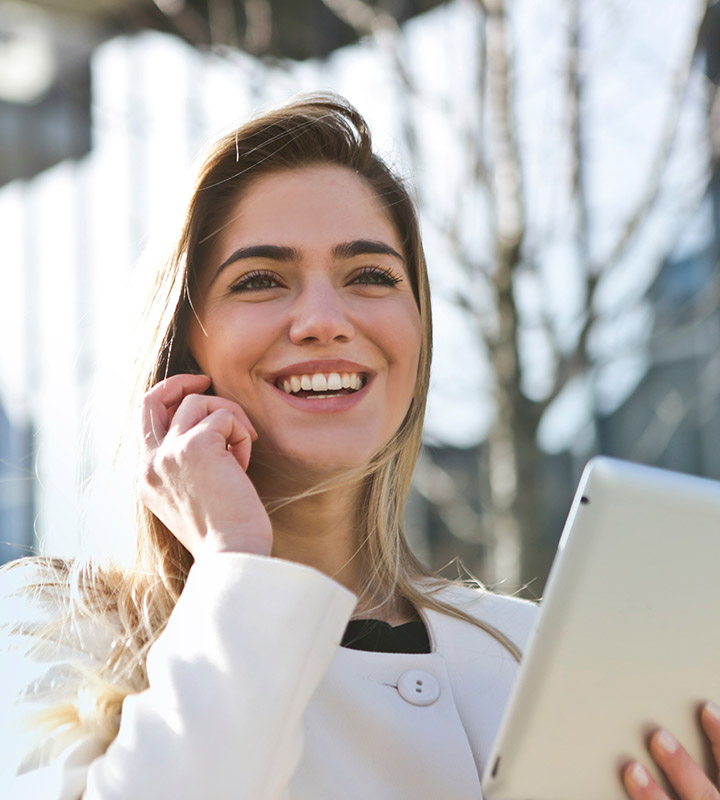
(640, 785)
(195, 407)
(160, 402)
(685, 774)
(241, 449)
(710, 718)
(232, 434)
(172, 390)
(171, 412)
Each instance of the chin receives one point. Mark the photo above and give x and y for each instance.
(311, 464)
(322, 466)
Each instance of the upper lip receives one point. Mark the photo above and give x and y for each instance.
(325, 365)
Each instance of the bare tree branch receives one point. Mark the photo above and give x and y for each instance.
(568, 366)
(482, 172)
(714, 126)
(506, 171)
(662, 155)
(571, 365)
(575, 97)
(223, 23)
(259, 26)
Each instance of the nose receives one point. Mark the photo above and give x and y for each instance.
(319, 316)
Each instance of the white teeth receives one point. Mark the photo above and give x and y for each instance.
(319, 382)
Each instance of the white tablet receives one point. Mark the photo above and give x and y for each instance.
(628, 638)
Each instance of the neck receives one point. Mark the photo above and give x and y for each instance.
(325, 531)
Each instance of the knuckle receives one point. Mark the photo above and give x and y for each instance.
(149, 479)
(192, 399)
(229, 406)
(168, 457)
(151, 438)
(223, 415)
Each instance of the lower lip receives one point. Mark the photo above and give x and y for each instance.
(324, 405)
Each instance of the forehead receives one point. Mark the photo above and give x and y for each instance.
(314, 206)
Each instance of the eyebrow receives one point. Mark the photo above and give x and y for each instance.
(273, 252)
(364, 247)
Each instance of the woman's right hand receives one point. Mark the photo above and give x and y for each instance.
(195, 451)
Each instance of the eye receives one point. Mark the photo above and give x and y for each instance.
(376, 276)
(256, 281)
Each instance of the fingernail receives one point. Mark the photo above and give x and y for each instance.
(639, 775)
(713, 710)
(666, 742)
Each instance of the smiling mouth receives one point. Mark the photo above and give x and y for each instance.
(322, 385)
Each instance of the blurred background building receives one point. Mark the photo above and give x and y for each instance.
(566, 163)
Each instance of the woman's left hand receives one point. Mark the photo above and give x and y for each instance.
(684, 775)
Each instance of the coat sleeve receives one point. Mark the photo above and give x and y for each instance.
(229, 680)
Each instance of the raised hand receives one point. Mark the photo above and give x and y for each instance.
(684, 775)
(195, 451)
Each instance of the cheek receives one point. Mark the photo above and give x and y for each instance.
(196, 343)
(209, 342)
(228, 342)
(406, 347)
(410, 340)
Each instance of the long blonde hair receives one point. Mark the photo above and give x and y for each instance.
(315, 129)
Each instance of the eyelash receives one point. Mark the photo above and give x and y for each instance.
(244, 284)
(384, 278)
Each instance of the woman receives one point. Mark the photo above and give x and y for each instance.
(281, 403)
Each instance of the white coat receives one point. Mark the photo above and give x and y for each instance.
(250, 698)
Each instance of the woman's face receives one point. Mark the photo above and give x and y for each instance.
(307, 319)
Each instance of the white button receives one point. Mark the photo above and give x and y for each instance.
(419, 688)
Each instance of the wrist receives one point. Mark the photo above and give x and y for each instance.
(254, 542)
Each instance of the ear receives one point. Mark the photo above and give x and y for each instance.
(189, 365)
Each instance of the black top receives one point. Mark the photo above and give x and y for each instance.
(380, 637)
